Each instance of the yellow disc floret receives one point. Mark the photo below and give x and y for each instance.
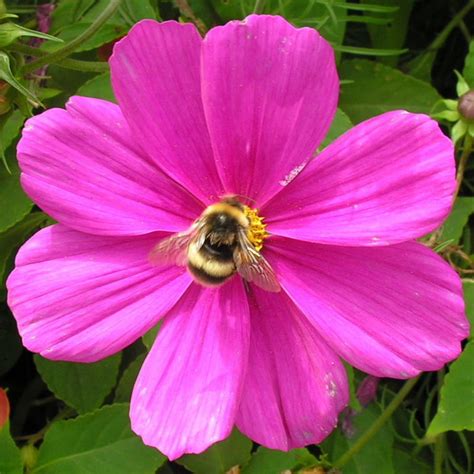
(256, 231)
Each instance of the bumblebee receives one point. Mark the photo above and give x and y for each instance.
(218, 245)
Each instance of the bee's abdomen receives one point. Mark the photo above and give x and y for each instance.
(211, 265)
(207, 279)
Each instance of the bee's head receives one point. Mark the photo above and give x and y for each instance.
(222, 222)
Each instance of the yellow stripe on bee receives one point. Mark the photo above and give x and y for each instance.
(212, 267)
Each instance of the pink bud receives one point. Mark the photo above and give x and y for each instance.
(466, 105)
(367, 390)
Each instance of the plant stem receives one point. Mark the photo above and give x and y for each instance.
(440, 442)
(18, 418)
(69, 48)
(187, 11)
(38, 436)
(467, 149)
(68, 63)
(465, 31)
(378, 423)
(439, 454)
(443, 36)
(259, 6)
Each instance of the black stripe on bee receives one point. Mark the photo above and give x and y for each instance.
(207, 279)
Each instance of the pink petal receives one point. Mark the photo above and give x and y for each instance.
(81, 297)
(295, 385)
(186, 395)
(82, 167)
(388, 180)
(391, 311)
(156, 79)
(270, 92)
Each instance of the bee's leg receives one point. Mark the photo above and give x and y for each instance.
(246, 285)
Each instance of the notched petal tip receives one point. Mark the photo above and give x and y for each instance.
(145, 26)
(187, 393)
(388, 180)
(81, 298)
(295, 384)
(286, 82)
(156, 78)
(391, 311)
(82, 166)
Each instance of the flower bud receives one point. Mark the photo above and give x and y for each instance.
(29, 456)
(367, 390)
(4, 408)
(466, 105)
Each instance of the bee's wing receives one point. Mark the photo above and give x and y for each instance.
(174, 249)
(252, 266)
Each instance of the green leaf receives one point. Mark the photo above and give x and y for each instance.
(367, 7)
(149, 337)
(140, 10)
(4, 16)
(368, 51)
(450, 104)
(10, 125)
(377, 88)
(468, 288)
(12, 238)
(456, 407)
(391, 36)
(421, 66)
(468, 71)
(48, 92)
(470, 130)
(10, 456)
(458, 130)
(406, 463)
(375, 456)
(454, 225)
(440, 247)
(67, 12)
(220, 457)
(15, 204)
(340, 124)
(322, 16)
(6, 74)
(371, 20)
(449, 115)
(99, 87)
(10, 32)
(82, 386)
(351, 378)
(100, 442)
(123, 392)
(269, 461)
(68, 81)
(461, 86)
(106, 34)
(98, 7)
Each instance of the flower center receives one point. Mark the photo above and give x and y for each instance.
(256, 231)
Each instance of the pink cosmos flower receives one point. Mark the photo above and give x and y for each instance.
(240, 111)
